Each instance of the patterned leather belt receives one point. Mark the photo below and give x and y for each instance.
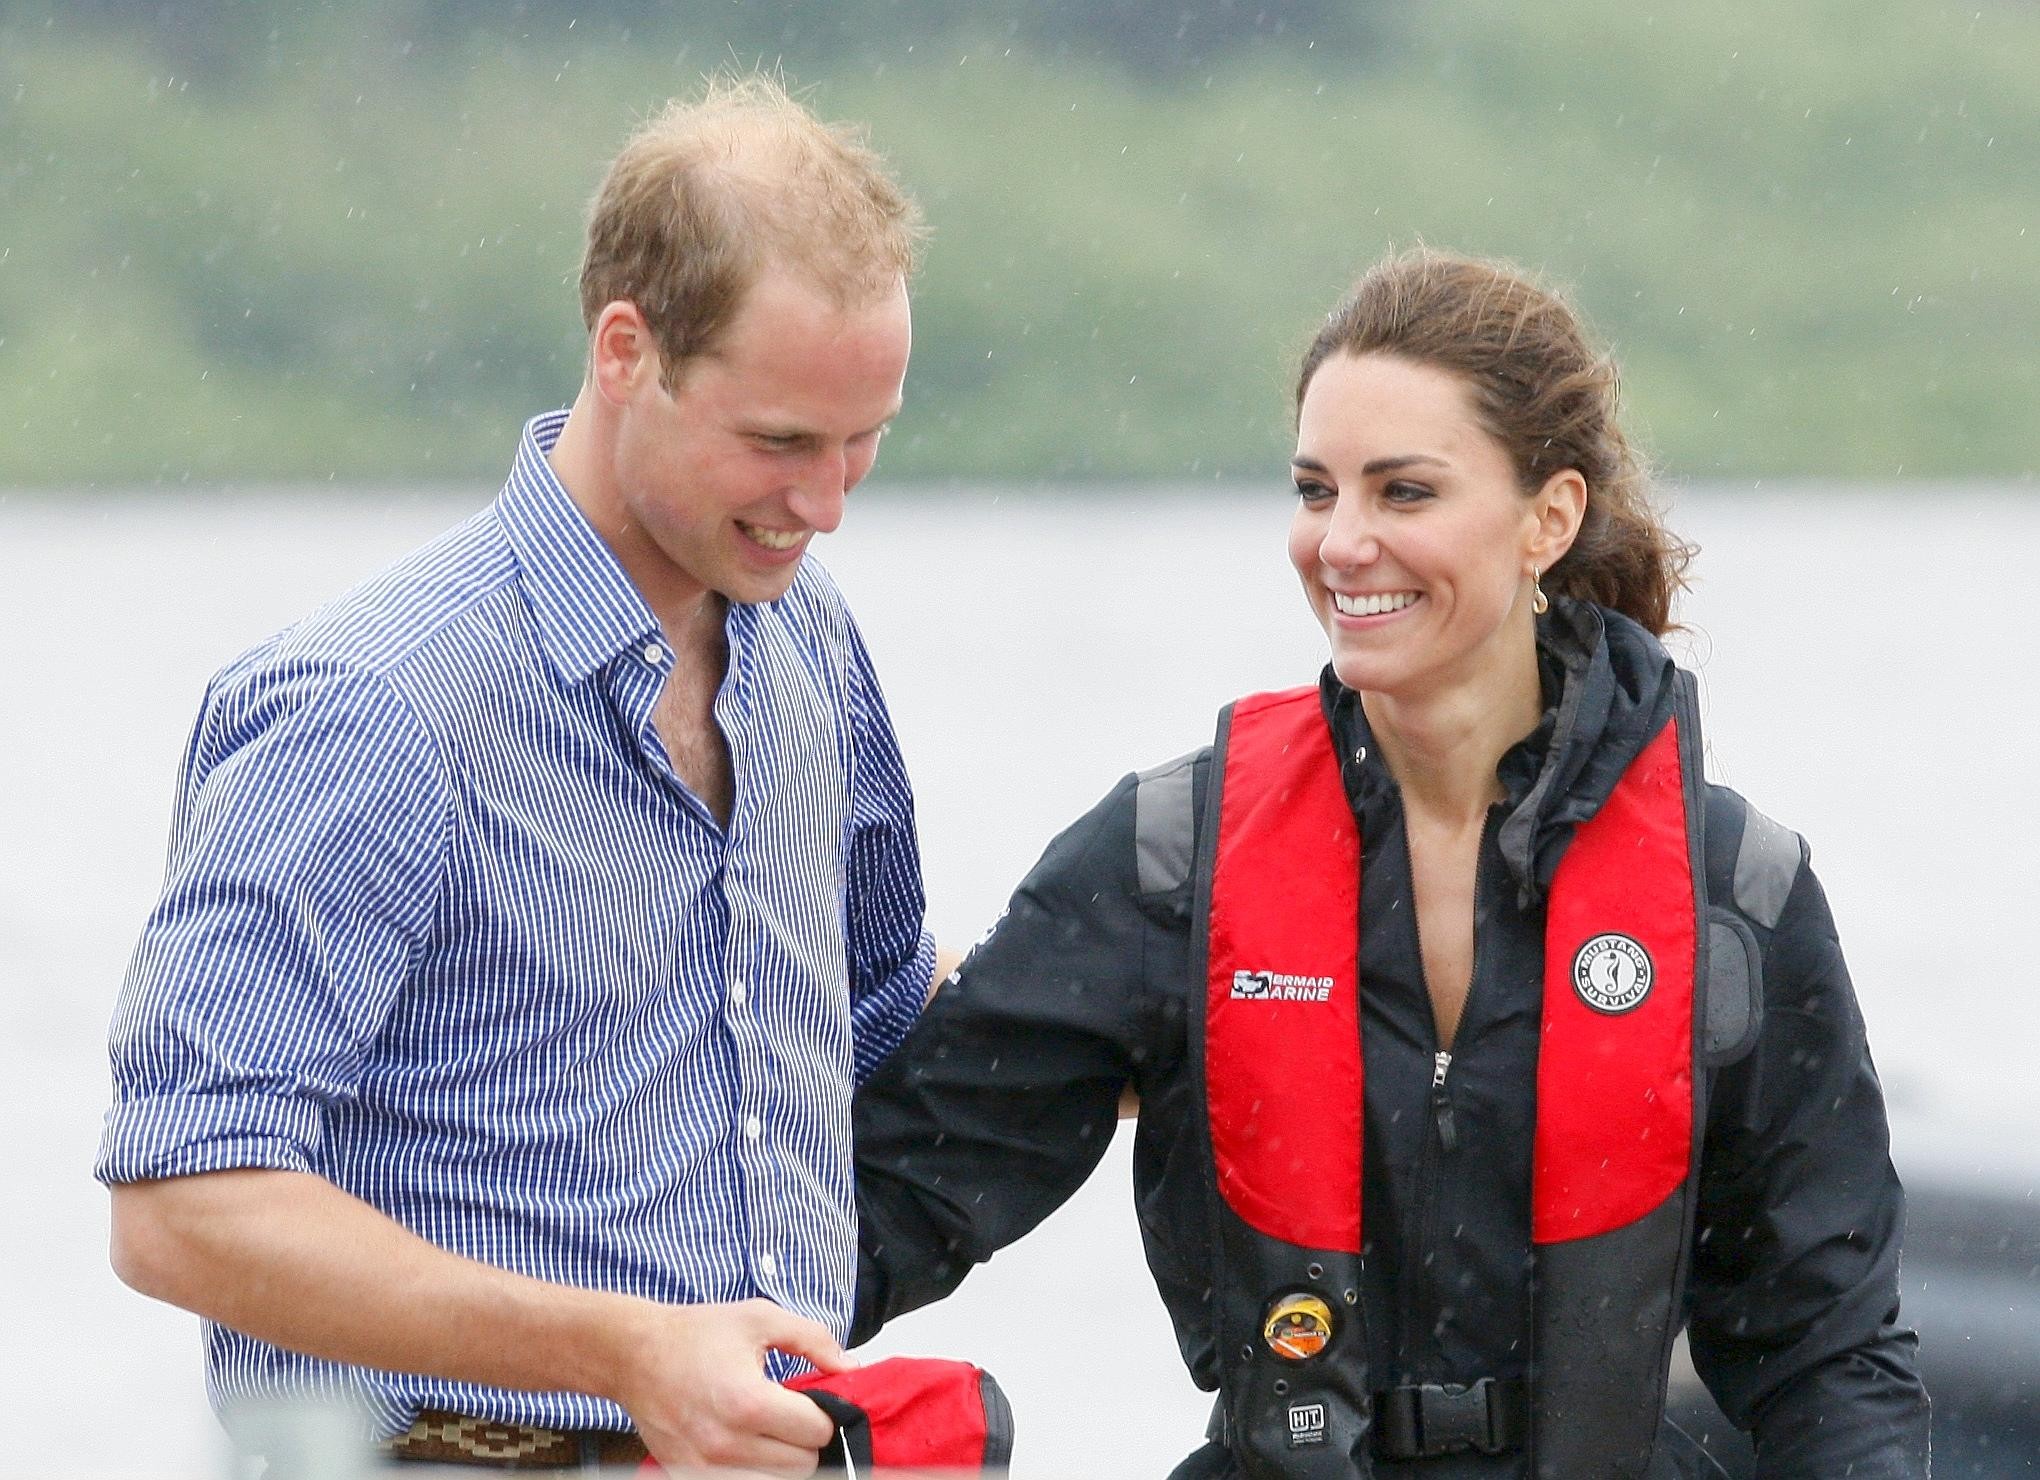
(439, 1437)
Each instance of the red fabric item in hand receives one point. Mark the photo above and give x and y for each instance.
(925, 1413)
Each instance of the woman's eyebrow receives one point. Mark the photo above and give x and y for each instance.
(1379, 465)
(1408, 459)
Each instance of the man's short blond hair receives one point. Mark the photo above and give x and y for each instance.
(709, 193)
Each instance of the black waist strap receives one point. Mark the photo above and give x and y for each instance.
(1491, 1416)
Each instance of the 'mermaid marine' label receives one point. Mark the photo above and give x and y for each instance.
(1276, 986)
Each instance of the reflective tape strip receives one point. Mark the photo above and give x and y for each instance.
(1766, 867)
(1164, 830)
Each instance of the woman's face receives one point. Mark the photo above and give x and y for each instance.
(1413, 541)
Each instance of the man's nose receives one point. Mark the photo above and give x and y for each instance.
(817, 500)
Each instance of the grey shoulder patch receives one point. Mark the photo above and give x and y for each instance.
(1164, 824)
(1766, 867)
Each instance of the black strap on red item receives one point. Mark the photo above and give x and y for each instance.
(913, 1413)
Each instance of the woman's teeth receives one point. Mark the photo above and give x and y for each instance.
(1372, 606)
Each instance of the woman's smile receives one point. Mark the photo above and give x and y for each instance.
(1362, 605)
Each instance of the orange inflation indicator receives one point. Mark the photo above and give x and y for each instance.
(1298, 1327)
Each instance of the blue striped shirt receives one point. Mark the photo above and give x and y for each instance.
(441, 925)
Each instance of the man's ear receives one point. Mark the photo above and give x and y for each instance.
(621, 352)
(1558, 509)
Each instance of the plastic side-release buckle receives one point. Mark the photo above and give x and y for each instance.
(1432, 1419)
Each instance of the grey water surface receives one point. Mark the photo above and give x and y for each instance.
(1867, 657)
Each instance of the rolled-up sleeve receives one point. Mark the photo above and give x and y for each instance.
(892, 956)
(305, 860)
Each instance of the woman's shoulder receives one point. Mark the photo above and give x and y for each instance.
(1753, 862)
(1769, 930)
(1139, 838)
(1166, 803)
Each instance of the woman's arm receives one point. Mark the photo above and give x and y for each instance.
(1795, 1323)
(1006, 1093)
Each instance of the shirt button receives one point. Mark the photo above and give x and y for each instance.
(738, 992)
(767, 1265)
(654, 654)
(753, 1127)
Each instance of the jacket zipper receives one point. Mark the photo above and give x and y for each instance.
(1441, 1100)
(1441, 1103)
(1419, 1292)
(1411, 1268)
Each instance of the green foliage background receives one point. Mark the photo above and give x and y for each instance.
(265, 240)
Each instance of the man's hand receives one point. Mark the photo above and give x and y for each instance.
(291, 1259)
(698, 1393)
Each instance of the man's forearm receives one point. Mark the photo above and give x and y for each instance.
(290, 1259)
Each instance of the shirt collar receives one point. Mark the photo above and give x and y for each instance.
(585, 607)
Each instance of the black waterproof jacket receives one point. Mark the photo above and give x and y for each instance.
(1004, 1096)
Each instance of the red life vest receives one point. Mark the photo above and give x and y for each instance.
(1617, 1099)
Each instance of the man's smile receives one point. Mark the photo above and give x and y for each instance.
(772, 539)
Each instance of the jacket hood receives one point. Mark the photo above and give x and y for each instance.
(1609, 687)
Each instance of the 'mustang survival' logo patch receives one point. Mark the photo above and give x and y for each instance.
(1612, 973)
(1277, 986)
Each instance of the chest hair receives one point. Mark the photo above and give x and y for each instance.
(685, 717)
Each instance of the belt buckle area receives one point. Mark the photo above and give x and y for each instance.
(440, 1437)
(1451, 1418)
